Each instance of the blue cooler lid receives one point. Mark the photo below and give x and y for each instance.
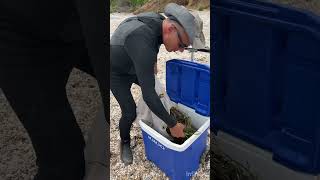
(188, 83)
(266, 73)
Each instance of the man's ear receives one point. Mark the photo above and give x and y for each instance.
(171, 27)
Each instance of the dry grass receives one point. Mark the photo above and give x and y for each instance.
(158, 5)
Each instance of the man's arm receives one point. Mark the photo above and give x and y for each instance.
(144, 58)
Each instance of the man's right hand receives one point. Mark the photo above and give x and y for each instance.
(177, 130)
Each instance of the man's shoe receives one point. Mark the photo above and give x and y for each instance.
(126, 153)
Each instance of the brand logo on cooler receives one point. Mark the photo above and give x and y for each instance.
(157, 143)
(190, 173)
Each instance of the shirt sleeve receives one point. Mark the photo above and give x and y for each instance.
(139, 49)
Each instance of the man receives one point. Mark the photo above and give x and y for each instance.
(40, 43)
(134, 48)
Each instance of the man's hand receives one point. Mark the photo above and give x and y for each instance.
(177, 131)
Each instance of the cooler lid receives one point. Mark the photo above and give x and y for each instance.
(261, 33)
(256, 45)
(188, 83)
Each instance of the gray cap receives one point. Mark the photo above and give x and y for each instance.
(190, 21)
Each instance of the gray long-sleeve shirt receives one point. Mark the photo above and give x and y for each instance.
(141, 38)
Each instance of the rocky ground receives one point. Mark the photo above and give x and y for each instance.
(143, 168)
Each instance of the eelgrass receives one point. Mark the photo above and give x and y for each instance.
(222, 167)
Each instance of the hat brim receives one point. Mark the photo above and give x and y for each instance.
(198, 44)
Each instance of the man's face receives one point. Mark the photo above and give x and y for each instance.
(175, 38)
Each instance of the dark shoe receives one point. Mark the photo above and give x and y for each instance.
(126, 153)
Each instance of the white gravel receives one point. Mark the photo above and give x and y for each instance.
(142, 168)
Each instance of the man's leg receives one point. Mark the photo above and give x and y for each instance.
(37, 94)
(97, 150)
(94, 27)
(120, 87)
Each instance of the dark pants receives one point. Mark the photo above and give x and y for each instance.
(33, 82)
(120, 86)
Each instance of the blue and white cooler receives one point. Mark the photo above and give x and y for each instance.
(188, 87)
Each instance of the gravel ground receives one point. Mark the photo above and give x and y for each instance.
(141, 167)
(17, 158)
